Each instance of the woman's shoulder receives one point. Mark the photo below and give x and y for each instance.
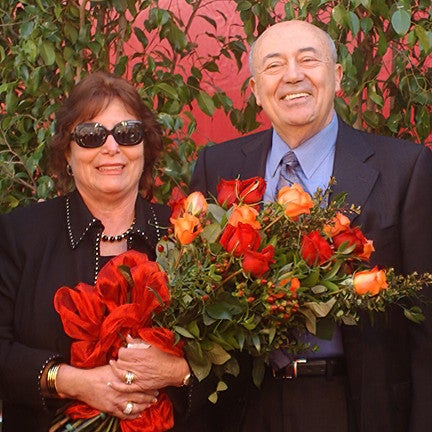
(35, 214)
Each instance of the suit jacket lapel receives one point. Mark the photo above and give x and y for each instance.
(255, 153)
(352, 173)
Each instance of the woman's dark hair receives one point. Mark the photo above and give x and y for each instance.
(86, 100)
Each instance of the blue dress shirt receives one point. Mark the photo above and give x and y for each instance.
(315, 157)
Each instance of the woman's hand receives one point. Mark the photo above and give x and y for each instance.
(142, 367)
(96, 387)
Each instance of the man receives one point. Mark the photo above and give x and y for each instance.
(387, 385)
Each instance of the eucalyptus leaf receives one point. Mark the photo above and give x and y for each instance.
(321, 309)
(218, 355)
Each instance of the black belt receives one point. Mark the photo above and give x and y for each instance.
(314, 367)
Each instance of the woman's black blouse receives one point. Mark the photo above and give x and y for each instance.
(43, 247)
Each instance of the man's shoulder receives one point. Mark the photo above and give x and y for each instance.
(240, 143)
(378, 143)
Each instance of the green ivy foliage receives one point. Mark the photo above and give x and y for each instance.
(48, 45)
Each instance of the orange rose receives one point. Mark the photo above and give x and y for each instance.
(367, 250)
(370, 281)
(195, 203)
(338, 224)
(295, 200)
(244, 214)
(186, 228)
(295, 285)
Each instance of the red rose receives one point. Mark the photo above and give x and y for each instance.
(177, 207)
(240, 239)
(315, 249)
(354, 237)
(257, 263)
(249, 191)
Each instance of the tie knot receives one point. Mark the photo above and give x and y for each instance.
(290, 159)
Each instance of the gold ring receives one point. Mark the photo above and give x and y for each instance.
(129, 377)
(129, 408)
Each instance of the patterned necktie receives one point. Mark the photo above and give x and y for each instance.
(288, 172)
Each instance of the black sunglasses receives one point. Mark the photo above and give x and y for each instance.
(93, 135)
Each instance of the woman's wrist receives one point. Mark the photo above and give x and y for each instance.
(184, 374)
(48, 380)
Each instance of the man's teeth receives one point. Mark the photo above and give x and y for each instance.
(295, 96)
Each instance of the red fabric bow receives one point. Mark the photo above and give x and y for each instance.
(129, 289)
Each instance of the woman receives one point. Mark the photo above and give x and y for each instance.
(105, 145)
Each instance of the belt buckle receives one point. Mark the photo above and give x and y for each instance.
(290, 371)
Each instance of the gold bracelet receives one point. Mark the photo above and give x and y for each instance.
(187, 380)
(51, 380)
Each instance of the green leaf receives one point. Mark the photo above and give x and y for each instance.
(47, 52)
(218, 355)
(211, 232)
(321, 309)
(424, 38)
(310, 319)
(258, 370)
(183, 332)
(221, 386)
(205, 102)
(198, 361)
(213, 397)
(340, 15)
(401, 21)
(224, 309)
(167, 89)
(319, 289)
(414, 314)
(312, 279)
(354, 23)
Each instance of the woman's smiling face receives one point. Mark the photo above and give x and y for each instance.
(111, 171)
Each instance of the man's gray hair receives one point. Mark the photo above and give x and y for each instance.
(332, 46)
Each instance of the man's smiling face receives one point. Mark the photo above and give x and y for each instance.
(295, 78)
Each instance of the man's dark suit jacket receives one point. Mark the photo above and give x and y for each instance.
(389, 362)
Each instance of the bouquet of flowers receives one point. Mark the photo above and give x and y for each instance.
(129, 290)
(232, 275)
(251, 277)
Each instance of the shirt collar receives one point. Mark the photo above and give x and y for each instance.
(80, 222)
(310, 154)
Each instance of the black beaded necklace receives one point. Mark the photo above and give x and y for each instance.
(120, 237)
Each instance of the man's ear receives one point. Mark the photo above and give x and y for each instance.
(338, 76)
(252, 86)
